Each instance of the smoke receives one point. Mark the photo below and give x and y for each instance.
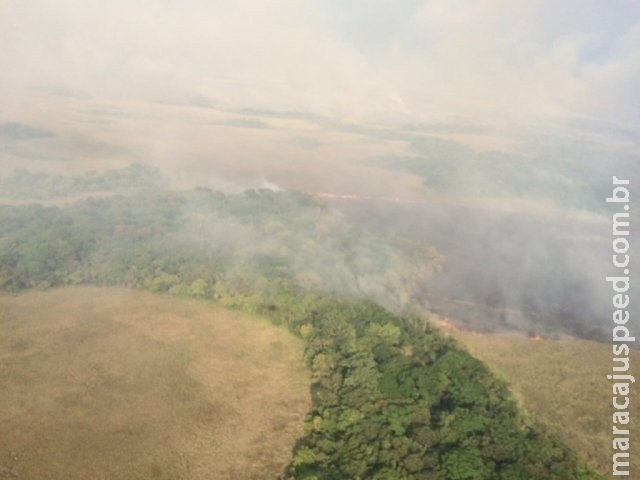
(489, 130)
(508, 270)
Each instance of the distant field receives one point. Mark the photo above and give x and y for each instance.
(114, 384)
(564, 384)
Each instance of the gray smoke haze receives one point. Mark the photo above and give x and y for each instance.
(504, 270)
(502, 122)
(422, 58)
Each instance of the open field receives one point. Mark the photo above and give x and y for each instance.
(564, 384)
(115, 384)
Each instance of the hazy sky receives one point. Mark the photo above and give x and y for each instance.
(525, 106)
(428, 59)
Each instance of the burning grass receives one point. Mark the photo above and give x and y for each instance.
(110, 383)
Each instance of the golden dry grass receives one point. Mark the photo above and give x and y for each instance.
(114, 384)
(564, 384)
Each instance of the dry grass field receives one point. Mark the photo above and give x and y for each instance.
(114, 384)
(564, 384)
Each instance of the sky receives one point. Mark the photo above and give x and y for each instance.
(428, 60)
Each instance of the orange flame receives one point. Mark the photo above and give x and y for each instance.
(448, 324)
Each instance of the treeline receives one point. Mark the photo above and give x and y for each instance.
(186, 243)
(392, 399)
(23, 184)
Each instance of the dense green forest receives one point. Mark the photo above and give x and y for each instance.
(186, 243)
(392, 398)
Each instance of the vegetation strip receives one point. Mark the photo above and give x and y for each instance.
(392, 399)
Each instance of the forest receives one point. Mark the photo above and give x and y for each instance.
(391, 397)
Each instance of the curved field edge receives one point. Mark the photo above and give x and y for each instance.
(395, 399)
(563, 383)
(113, 383)
(392, 399)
